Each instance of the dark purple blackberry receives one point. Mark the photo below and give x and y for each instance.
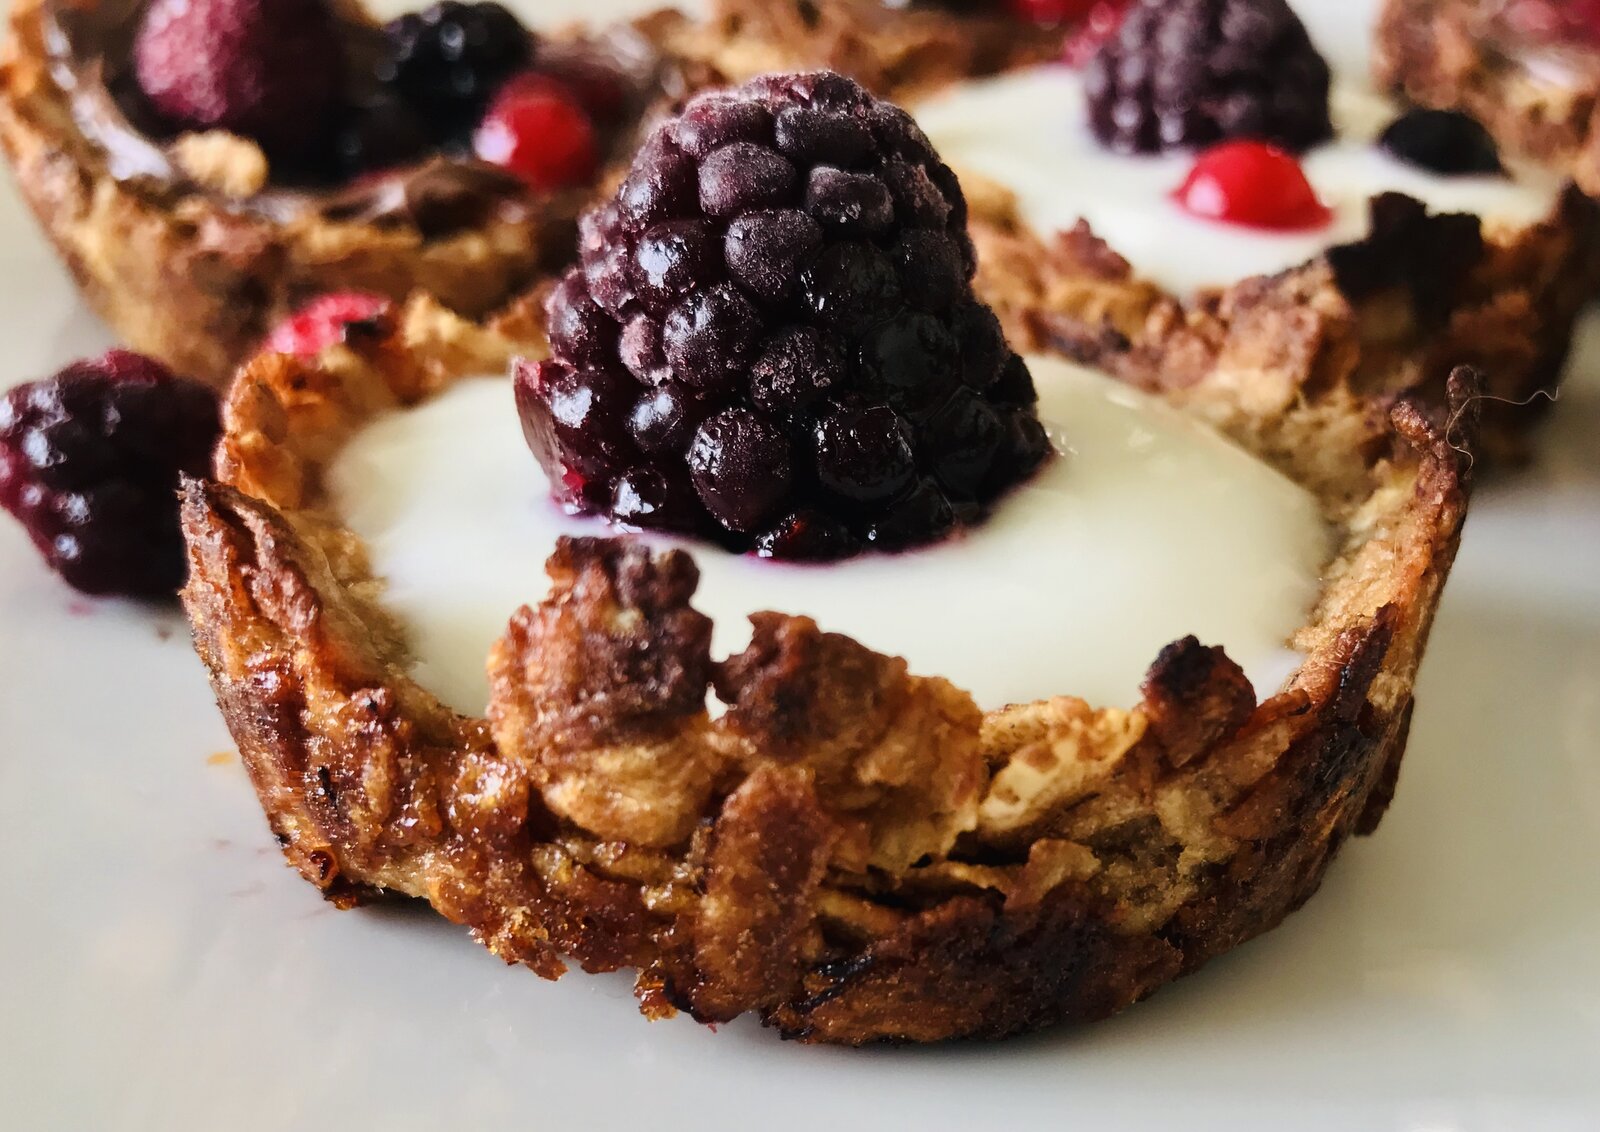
(771, 339)
(1185, 74)
(89, 465)
(1446, 142)
(447, 61)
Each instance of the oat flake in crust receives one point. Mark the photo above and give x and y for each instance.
(185, 274)
(852, 851)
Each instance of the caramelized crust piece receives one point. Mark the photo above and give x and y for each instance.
(894, 755)
(1389, 317)
(894, 49)
(600, 697)
(763, 878)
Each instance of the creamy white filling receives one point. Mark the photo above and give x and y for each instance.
(1028, 131)
(1147, 527)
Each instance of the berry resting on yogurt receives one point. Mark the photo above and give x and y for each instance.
(1254, 185)
(1184, 74)
(772, 341)
(1446, 142)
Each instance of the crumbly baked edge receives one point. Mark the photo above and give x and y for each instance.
(895, 52)
(197, 284)
(1433, 291)
(853, 852)
(1444, 54)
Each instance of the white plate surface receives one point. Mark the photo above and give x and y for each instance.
(161, 969)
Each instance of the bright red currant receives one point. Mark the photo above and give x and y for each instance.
(1252, 184)
(538, 129)
(321, 322)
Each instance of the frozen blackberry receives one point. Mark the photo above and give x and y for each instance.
(1446, 142)
(447, 62)
(89, 464)
(1185, 74)
(772, 341)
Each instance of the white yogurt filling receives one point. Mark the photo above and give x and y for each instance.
(1147, 527)
(1028, 130)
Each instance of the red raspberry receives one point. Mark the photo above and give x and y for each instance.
(537, 128)
(321, 323)
(270, 70)
(1049, 13)
(89, 465)
(1253, 184)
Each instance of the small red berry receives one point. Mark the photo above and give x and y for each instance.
(1048, 13)
(537, 129)
(321, 322)
(1102, 22)
(1253, 184)
(271, 70)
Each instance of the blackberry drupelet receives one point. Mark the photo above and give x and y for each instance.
(772, 341)
(1190, 73)
(447, 61)
(89, 464)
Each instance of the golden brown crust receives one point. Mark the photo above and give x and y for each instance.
(894, 50)
(1538, 101)
(852, 851)
(186, 277)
